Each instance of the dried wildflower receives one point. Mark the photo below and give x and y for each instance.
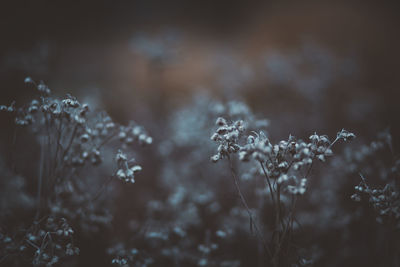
(70, 137)
(345, 135)
(258, 148)
(314, 138)
(126, 171)
(282, 164)
(227, 136)
(43, 88)
(221, 122)
(10, 108)
(385, 201)
(28, 80)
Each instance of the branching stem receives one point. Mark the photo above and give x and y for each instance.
(244, 203)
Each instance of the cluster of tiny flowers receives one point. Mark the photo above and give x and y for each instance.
(287, 153)
(284, 160)
(58, 237)
(71, 137)
(79, 134)
(375, 159)
(227, 136)
(345, 135)
(64, 228)
(49, 242)
(123, 256)
(126, 170)
(385, 201)
(280, 160)
(42, 87)
(68, 108)
(10, 108)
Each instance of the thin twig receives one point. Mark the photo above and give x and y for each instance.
(70, 141)
(102, 188)
(40, 180)
(244, 203)
(269, 183)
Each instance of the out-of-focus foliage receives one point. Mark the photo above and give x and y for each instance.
(235, 97)
(280, 203)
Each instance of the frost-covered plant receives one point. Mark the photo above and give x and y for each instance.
(377, 194)
(45, 243)
(126, 171)
(73, 143)
(286, 167)
(386, 200)
(382, 190)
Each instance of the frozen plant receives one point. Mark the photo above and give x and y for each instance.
(286, 167)
(126, 171)
(73, 143)
(386, 201)
(377, 194)
(49, 241)
(384, 197)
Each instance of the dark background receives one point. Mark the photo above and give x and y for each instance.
(90, 46)
(312, 65)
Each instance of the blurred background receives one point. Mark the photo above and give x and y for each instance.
(305, 66)
(337, 59)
